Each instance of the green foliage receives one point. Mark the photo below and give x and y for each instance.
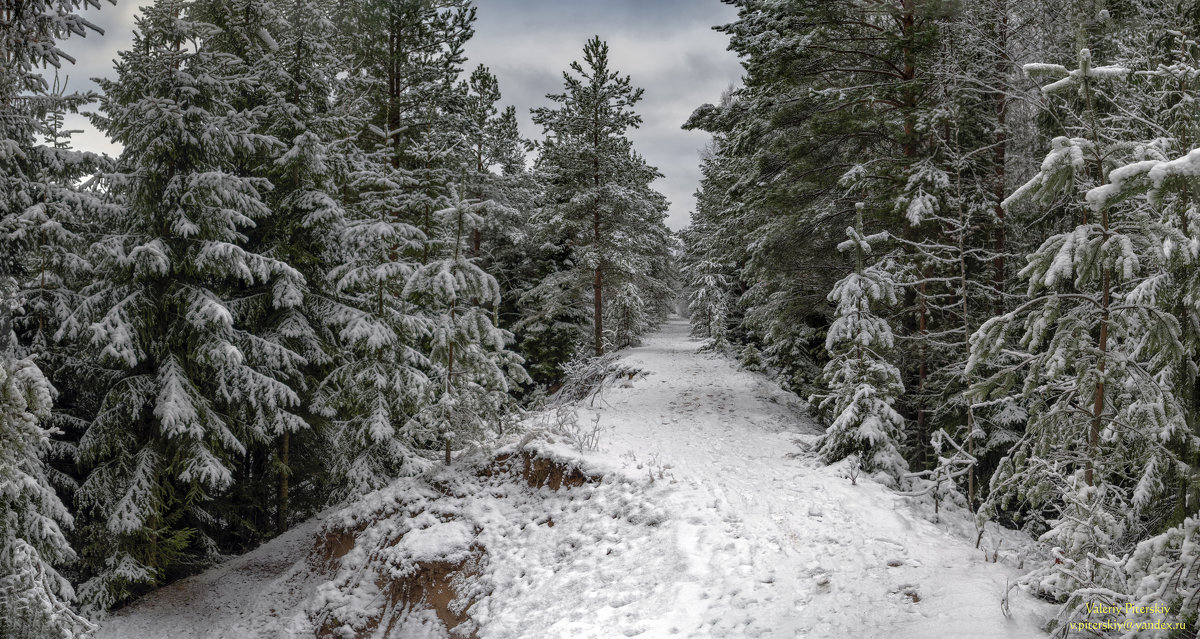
(598, 198)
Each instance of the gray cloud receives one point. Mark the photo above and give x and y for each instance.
(668, 47)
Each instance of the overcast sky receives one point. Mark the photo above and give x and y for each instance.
(667, 46)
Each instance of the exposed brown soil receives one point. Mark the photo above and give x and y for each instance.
(436, 585)
(538, 471)
(433, 585)
(335, 544)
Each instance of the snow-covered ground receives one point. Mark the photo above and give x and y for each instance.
(778, 545)
(713, 520)
(254, 595)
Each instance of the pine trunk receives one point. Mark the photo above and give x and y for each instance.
(1093, 441)
(598, 308)
(999, 242)
(598, 274)
(923, 366)
(1098, 407)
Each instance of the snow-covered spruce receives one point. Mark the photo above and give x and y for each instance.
(194, 386)
(44, 213)
(35, 599)
(297, 70)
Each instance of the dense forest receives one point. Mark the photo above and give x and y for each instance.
(326, 258)
(321, 262)
(966, 231)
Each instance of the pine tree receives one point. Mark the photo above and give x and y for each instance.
(949, 203)
(521, 253)
(847, 102)
(47, 238)
(599, 194)
(49, 241)
(474, 372)
(47, 206)
(863, 384)
(1099, 353)
(398, 175)
(407, 56)
(1152, 184)
(379, 382)
(480, 118)
(31, 193)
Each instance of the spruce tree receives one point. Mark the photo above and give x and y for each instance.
(41, 214)
(35, 599)
(292, 51)
(164, 311)
(710, 279)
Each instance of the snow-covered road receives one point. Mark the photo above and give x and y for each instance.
(712, 520)
(777, 545)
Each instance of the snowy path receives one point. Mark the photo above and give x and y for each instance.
(775, 544)
(711, 521)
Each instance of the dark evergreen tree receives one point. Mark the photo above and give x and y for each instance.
(600, 202)
(42, 217)
(164, 308)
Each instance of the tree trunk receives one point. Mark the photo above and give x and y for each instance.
(449, 376)
(923, 367)
(1106, 299)
(598, 274)
(999, 241)
(908, 23)
(476, 235)
(458, 229)
(909, 145)
(964, 228)
(598, 308)
(285, 471)
(1098, 407)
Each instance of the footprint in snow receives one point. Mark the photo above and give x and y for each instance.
(909, 592)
